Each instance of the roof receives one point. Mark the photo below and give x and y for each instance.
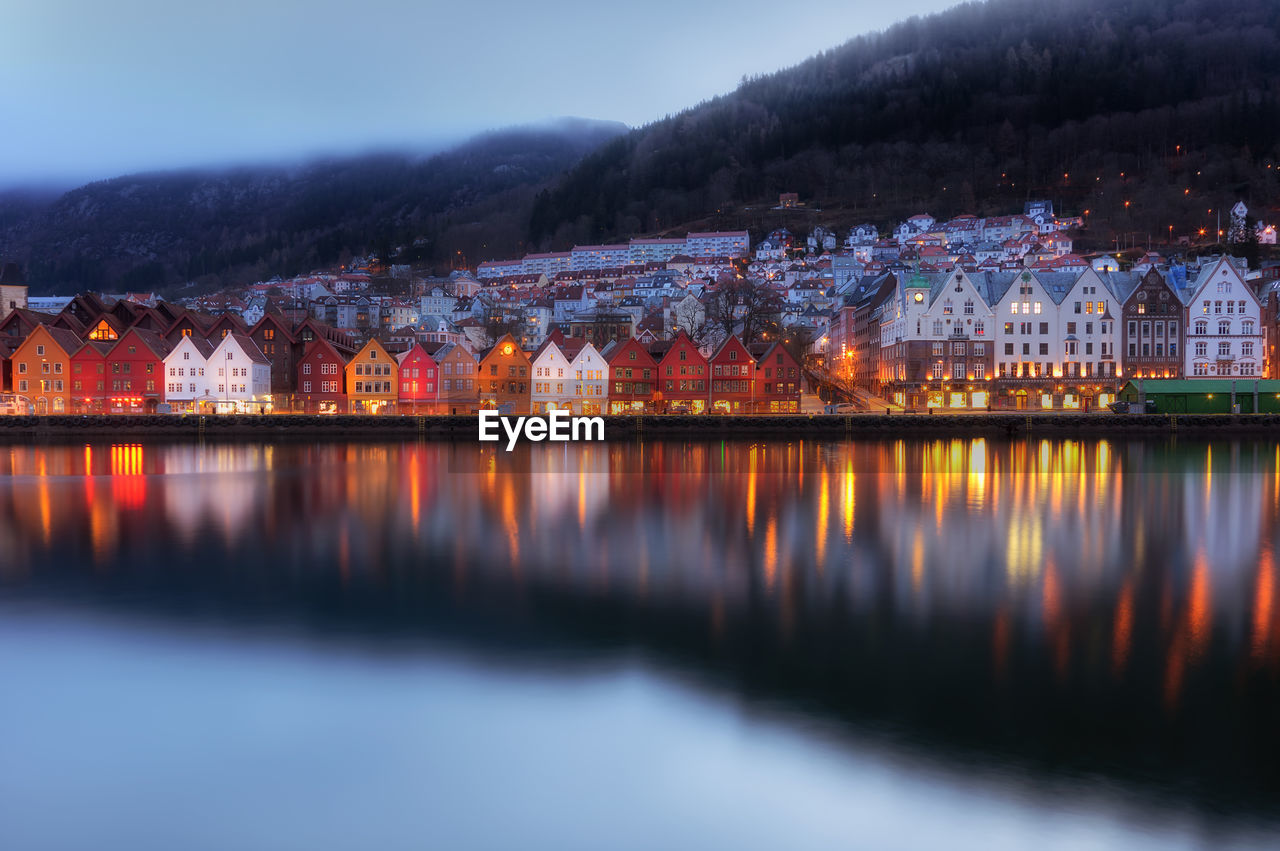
(1204, 385)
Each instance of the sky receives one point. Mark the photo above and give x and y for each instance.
(92, 89)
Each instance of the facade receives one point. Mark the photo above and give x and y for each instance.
(89, 378)
(42, 369)
(419, 381)
(733, 378)
(684, 378)
(938, 339)
(186, 382)
(321, 379)
(553, 380)
(274, 338)
(590, 381)
(136, 372)
(1225, 337)
(1152, 329)
(459, 379)
(239, 377)
(777, 380)
(371, 380)
(631, 377)
(718, 244)
(504, 378)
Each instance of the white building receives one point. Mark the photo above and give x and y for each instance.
(239, 376)
(1224, 324)
(654, 250)
(185, 378)
(553, 376)
(584, 257)
(590, 381)
(718, 244)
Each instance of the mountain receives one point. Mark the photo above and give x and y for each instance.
(150, 231)
(1146, 113)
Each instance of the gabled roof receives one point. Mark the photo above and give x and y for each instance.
(158, 345)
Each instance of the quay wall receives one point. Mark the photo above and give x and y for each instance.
(464, 428)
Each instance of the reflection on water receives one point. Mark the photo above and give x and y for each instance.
(1062, 609)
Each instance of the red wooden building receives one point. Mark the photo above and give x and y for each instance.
(633, 378)
(419, 381)
(777, 379)
(683, 377)
(321, 379)
(733, 377)
(89, 378)
(135, 372)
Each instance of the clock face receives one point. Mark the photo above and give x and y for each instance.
(919, 296)
(506, 350)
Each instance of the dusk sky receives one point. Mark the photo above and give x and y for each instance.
(90, 90)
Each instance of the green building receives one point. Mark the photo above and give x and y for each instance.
(1205, 395)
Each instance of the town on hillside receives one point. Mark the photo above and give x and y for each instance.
(971, 314)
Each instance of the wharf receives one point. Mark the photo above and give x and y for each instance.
(666, 427)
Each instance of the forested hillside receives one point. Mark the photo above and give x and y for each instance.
(1170, 105)
(227, 227)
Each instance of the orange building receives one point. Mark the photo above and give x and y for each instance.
(459, 379)
(504, 376)
(42, 368)
(371, 380)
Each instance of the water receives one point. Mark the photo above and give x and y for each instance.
(680, 645)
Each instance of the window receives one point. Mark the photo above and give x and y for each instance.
(1246, 327)
(968, 308)
(1202, 349)
(979, 371)
(957, 349)
(1008, 348)
(979, 349)
(306, 369)
(937, 369)
(1008, 327)
(1246, 350)
(957, 369)
(1044, 348)
(1202, 328)
(1200, 369)
(1044, 328)
(1224, 349)
(1071, 327)
(39, 350)
(1013, 308)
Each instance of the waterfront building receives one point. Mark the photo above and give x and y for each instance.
(459, 379)
(419, 380)
(504, 377)
(321, 379)
(683, 375)
(185, 366)
(590, 381)
(1224, 324)
(274, 337)
(239, 376)
(42, 368)
(371, 380)
(89, 378)
(553, 379)
(1152, 329)
(733, 378)
(777, 379)
(135, 372)
(632, 377)
(937, 339)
